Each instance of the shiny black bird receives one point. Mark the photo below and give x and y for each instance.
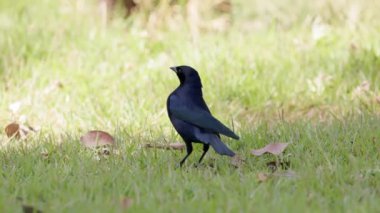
(192, 118)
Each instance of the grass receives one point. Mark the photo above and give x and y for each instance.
(305, 73)
(336, 170)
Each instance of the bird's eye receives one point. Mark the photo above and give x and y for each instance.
(179, 69)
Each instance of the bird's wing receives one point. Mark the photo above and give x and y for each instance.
(198, 117)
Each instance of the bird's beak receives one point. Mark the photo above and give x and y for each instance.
(174, 69)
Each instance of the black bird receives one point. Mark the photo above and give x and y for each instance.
(192, 118)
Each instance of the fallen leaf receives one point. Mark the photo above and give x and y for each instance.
(12, 130)
(273, 148)
(126, 202)
(175, 146)
(262, 177)
(96, 138)
(15, 130)
(237, 161)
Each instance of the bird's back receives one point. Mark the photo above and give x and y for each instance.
(191, 97)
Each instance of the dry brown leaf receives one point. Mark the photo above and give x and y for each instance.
(12, 130)
(273, 148)
(262, 177)
(175, 146)
(237, 161)
(126, 202)
(15, 130)
(96, 138)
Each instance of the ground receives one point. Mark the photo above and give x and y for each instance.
(305, 73)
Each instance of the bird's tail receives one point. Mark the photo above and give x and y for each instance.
(220, 147)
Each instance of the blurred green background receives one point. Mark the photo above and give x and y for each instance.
(69, 64)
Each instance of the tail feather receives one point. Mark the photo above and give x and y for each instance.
(220, 147)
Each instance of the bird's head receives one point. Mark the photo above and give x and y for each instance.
(187, 75)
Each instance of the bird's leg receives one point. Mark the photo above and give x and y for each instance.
(205, 149)
(189, 149)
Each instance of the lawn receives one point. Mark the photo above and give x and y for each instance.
(304, 73)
